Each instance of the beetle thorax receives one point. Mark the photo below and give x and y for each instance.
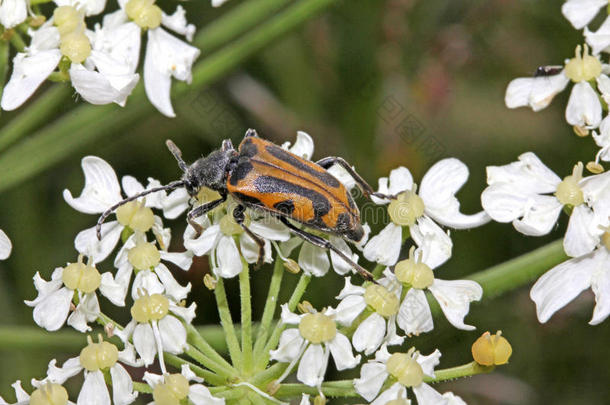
(210, 171)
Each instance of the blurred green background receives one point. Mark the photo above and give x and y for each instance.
(380, 83)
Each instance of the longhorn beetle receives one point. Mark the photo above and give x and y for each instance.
(261, 175)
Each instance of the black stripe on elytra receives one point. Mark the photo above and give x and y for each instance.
(295, 162)
(285, 207)
(247, 199)
(269, 184)
(248, 148)
(244, 166)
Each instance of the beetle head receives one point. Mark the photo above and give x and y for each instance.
(209, 171)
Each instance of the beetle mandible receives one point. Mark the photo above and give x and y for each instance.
(261, 175)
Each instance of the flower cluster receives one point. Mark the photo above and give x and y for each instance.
(101, 60)
(130, 266)
(531, 196)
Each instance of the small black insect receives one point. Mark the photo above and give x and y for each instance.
(261, 175)
(550, 70)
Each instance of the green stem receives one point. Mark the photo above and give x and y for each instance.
(83, 125)
(227, 324)
(41, 110)
(269, 374)
(142, 387)
(519, 271)
(235, 22)
(28, 338)
(246, 317)
(4, 63)
(221, 370)
(298, 292)
(197, 340)
(270, 306)
(378, 270)
(17, 41)
(209, 377)
(465, 370)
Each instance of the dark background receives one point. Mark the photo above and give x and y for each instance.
(382, 84)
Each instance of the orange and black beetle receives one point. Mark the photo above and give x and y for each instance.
(262, 175)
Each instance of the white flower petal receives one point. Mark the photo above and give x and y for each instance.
(173, 334)
(229, 258)
(101, 187)
(396, 391)
(454, 297)
(340, 265)
(98, 89)
(5, 246)
(313, 366)
(177, 23)
(435, 243)
(186, 313)
(166, 56)
(148, 282)
(429, 362)
(52, 311)
(200, 395)
(384, 247)
(539, 215)
(303, 146)
(372, 377)
(290, 317)
(453, 399)
(341, 350)
(414, 316)
(69, 369)
(560, 285)
(350, 289)
(176, 203)
(313, 260)
(184, 260)
(116, 45)
(581, 12)
(529, 175)
(426, 395)
(29, 71)
(349, 308)
(270, 228)
(172, 288)
(90, 7)
(113, 290)
(582, 235)
(144, 342)
(600, 284)
(438, 189)
(584, 109)
(13, 12)
(205, 242)
(122, 386)
(400, 180)
(290, 346)
(534, 92)
(94, 390)
(86, 241)
(369, 334)
(87, 310)
(600, 39)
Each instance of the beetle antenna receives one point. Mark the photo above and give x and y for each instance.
(169, 187)
(177, 154)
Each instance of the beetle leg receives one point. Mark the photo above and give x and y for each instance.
(238, 215)
(202, 210)
(367, 190)
(325, 244)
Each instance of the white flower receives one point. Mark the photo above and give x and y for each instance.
(101, 191)
(435, 201)
(520, 192)
(603, 140)
(5, 246)
(415, 274)
(13, 12)
(379, 326)
(155, 328)
(564, 282)
(315, 339)
(89, 7)
(94, 359)
(408, 368)
(584, 109)
(218, 3)
(175, 384)
(581, 12)
(47, 390)
(52, 305)
(100, 79)
(218, 240)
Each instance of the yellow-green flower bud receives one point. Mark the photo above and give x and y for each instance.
(489, 350)
(416, 274)
(81, 277)
(76, 46)
(98, 356)
(405, 369)
(144, 256)
(384, 302)
(583, 67)
(144, 13)
(317, 328)
(406, 208)
(229, 227)
(49, 394)
(292, 266)
(68, 19)
(206, 195)
(135, 216)
(150, 308)
(210, 282)
(568, 191)
(595, 167)
(172, 391)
